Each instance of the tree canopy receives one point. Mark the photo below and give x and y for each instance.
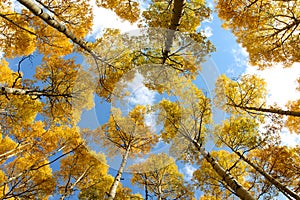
(53, 71)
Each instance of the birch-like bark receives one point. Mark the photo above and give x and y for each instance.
(159, 193)
(268, 110)
(114, 186)
(146, 187)
(239, 190)
(19, 149)
(35, 9)
(272, 180)
(175, 22)
(35, 93)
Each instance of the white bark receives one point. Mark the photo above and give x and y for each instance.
(114, 186)
(239, 190)
(272, 180)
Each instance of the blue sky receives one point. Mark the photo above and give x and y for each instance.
(230, 58)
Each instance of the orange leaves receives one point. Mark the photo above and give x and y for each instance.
(210, 182)
(249, 91)
(159, 173)
(128, 132)
(293, 123)
(171, 120)
(16, 40)
(125, 9)
(272, 26)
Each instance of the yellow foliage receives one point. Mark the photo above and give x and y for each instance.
(171, 119)
(237, 132)
(208, 180)
(160, 173)
(293, 123)
(16, 41)
(248, 91)
(269, 30)
(128, 10)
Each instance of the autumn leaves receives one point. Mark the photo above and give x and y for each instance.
(43, 151)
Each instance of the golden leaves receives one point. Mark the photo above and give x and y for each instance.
(209, 181)
(125, 9)
(159, 173)
(128, 132)
(249, 90)
(16, 40)
(272, 26)
(171, 119)
(238, 132)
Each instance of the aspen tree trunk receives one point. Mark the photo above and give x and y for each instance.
(239, 190)
(32, 93)
(17, 91)
(146, 188)
(114, 186)
(268, 110)
(35, 9)
(175, 22)
(272, 180)
(159, 193)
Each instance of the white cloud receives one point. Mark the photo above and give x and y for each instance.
(105, 18)
(188, 171)
(240, 56)
(208, 31)
(141, 95)
(16, 5)
(281, 82)
(281, 86)
(209, 20)
(289, 139)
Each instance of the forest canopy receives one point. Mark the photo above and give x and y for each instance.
(159, 106)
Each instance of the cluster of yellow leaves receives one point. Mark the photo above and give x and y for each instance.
(23, 109)
(269, 30)
(160, 174)
(6, 74)
(15, 41)
(209, 181)
(39, 180)
(171, 119)
(281, 162)
(293, 123)
(159, 14)
(100, 188)
(123, 132)
(24, 32)
(249, 91)
(69, 84)
(128, 10)
(237, 132)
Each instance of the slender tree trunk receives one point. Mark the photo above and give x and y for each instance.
(146, 188)
(239, 190)
(272, 180)
(35, 9)
(36, 93)
(13, 152)
(175, 22)
(114, 186)
(268, 110)
(159, 193)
